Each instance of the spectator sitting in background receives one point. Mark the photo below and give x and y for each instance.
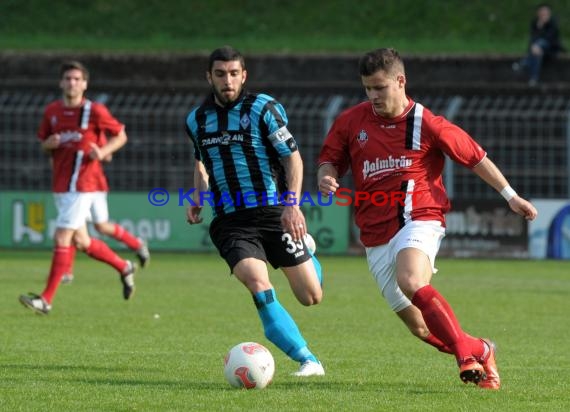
(544, 43)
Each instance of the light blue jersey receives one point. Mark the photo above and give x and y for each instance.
(240, 146)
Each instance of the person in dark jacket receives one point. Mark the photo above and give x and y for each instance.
(544, 43)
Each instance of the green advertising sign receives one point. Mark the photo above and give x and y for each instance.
(28, 221)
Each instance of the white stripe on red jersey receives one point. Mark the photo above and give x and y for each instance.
(417, 134)
(78, 127)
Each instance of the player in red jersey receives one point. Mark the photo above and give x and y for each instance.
(99, 216)
(70, 131)
(395, 145)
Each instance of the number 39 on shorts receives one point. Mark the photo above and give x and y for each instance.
(292, 246)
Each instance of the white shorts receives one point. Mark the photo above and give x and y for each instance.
(99, 208)
(73, 208)
(423, 235)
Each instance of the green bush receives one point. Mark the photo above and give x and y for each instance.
(414, 26)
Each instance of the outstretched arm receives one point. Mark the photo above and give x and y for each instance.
(201, 185)
(491, 174)
(292, 218)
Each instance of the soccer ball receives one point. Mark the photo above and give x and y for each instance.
(310, 242)
(249, 365)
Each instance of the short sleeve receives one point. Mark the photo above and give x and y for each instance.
(335, 149)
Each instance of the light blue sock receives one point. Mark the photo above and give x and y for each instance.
(304, 354)
(318, 268)
(280, 328)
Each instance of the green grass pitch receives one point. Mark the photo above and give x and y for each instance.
(96, 352)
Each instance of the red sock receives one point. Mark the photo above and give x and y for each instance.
(441, 321)
(59, 263)
(72, 250)
(122, 235)
(436, 343)
(100, 251)
(477, 346)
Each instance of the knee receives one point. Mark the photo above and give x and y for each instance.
(419, 331)
(410, 284)
(536, 50)
(81, 247)
(317, 297)
(311, 298)
(81, 241)
(63, 237)
(60, 240)
(257, 285)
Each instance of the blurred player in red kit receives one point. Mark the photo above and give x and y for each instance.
(70, 132)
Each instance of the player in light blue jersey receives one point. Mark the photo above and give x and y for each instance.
(248, 160)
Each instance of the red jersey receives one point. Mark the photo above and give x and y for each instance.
(73, 171)
(399, 159)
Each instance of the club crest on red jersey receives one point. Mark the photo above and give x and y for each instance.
(362, 138)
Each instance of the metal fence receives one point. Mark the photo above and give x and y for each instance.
(527, 136)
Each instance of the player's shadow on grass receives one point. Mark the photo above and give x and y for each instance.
(368, 386)
(86, 368)
(149, 383)
(317, 383)
(320, 385)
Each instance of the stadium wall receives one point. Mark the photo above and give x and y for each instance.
(526, 130)
(320, 72)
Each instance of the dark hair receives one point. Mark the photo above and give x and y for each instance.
(386, 59)
(73, 65)
(225, 54)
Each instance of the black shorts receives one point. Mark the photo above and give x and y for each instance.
(256, 233)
